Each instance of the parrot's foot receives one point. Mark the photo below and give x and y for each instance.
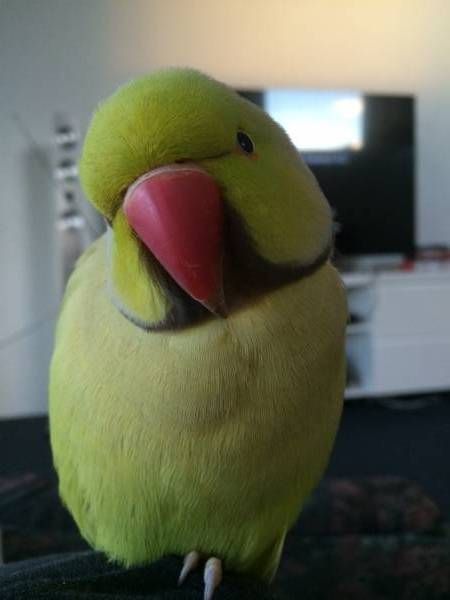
(212, 574)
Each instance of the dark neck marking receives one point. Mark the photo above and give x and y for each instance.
(247, 276)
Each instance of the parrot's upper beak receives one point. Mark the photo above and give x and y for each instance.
(178, 214)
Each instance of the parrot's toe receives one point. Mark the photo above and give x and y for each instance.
(212, 577)
(212, 574)
(190, 563)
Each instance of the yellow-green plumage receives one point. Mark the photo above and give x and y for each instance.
(208, 436)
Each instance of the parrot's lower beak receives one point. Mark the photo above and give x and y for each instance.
(178, 214)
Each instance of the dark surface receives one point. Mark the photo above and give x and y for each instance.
(25, 447)
(411, 440)
(366, 567)
(378, 538)
(88, 575)
(372, 440)
(35, 523)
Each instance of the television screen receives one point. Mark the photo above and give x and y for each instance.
(360, 147)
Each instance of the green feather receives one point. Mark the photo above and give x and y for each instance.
(208, 437)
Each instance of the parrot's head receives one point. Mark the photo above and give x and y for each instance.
(208, 202)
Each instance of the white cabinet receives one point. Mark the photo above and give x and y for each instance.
(398, 340)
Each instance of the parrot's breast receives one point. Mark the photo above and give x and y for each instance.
(205, 438)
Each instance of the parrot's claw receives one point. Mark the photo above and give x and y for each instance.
(212, 577)
(212, 574)
(190, 563)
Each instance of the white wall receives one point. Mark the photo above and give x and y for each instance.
(54, 56)
(61, 55)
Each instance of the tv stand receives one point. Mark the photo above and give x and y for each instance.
(398, 337)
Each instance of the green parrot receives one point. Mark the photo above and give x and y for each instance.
(197, 379)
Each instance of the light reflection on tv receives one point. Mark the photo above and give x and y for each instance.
(319, 121)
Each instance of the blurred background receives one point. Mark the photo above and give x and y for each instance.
(363, 88)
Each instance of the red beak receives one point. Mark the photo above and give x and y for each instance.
(177, 213)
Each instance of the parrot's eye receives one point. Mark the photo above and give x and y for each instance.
(245, 142)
